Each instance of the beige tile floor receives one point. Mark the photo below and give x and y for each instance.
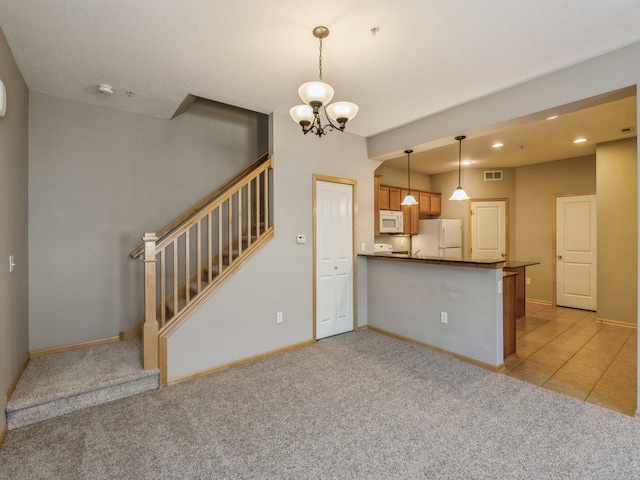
(568, 351)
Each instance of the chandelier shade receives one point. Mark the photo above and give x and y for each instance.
(316, 95)
(315, 92)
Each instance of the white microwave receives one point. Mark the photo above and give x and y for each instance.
(391, 222)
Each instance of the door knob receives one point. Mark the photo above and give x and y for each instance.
(559, 257)
(503, 255)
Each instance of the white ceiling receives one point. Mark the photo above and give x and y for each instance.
(428, 55)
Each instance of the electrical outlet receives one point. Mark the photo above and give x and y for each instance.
(363, 247)
(279, 317)
(528, 280)
(443, 317)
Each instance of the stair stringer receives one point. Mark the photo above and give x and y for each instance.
(209, 290)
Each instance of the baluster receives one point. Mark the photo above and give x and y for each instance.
(249, 211)
(240, 225)
(198, 256)
(210, 248)
(220, 239)
(230, 230)
(187, 261)
(175, 276)
(266, 199)
(150, 329)
(163, 288)
(258, 203)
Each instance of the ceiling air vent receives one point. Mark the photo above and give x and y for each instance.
(627, 130)
(493, 175)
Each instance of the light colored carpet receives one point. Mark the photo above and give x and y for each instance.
(355, 406)
(60, 383)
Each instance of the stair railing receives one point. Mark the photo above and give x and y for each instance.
(187, 259)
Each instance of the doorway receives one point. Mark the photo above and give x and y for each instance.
(575, 245)
(334, 255)
(488, 220)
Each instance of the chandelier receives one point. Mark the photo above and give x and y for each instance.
(317, 95)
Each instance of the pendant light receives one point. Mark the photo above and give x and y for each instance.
(459, 193)
(409, 199)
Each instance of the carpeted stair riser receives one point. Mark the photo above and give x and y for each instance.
(56, 408)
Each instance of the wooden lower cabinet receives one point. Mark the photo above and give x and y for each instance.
(509, 313)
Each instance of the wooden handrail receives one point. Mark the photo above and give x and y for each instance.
(204, 209)
(201, 249)
(186, 216)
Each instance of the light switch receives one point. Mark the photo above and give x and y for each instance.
(12, 264)
(301, 239)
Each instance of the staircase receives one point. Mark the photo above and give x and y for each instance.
(184, 264)
(61, 383)
(198, 252)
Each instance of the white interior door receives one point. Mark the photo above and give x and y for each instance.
(334, 258)
(576, 250)
(488, 229)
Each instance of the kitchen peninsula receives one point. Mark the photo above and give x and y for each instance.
(454, 305)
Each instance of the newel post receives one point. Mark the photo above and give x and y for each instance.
(150, 329)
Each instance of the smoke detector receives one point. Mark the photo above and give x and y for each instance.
(105, 89)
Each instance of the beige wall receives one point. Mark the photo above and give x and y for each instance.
(14, 287)
(98, 179)
(535, 187)
(616, 172)
(398, 178)
(279, 278)
(472, 180)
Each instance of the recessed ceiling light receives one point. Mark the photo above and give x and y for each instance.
(497, 145)
(552, 117)
(580, 140)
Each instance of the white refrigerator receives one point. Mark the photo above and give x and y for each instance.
(438, 238)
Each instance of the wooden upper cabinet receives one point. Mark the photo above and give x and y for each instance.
(376, 204)
(436, 203)
(410, 217)
(395, 197)
(389, 198)
(383, 198)
(424, 200)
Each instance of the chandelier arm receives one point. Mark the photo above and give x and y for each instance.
(333, 126)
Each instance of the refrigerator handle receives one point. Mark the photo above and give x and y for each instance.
(444, 236)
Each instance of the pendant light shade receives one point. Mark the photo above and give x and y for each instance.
(409, 200)
(459, 193)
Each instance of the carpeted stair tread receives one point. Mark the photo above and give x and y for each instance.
(60, 383)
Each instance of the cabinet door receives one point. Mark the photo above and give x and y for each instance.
(435, 203)
(376, 204)
(383, 198)
(394, 199)
(424, 199)
(410, 217)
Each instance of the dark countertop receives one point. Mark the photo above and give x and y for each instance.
(518, 264)
(456, 262)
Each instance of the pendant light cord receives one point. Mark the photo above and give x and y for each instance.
(459, 160)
